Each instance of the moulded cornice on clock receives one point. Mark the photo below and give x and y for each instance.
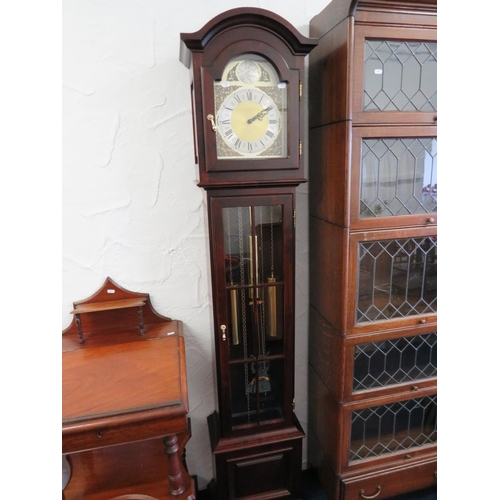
(259, 18)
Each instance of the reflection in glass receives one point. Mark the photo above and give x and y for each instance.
(393, 427)
(253, 247)
(387, 362)
(257, 391)
(400, 76)
(396, 278)
(398, 177)
(243, 407)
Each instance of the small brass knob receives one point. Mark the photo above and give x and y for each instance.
(223, 328)
(414, 388)
(431, 220)
(423, 321)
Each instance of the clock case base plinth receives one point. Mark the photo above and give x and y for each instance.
(261, 465)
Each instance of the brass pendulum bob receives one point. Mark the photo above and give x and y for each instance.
(235, 317)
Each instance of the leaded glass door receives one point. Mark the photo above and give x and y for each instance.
(394, 427)
(395, 276)
(253, 254)
(395, 75)
(394, 181)
(389, 363)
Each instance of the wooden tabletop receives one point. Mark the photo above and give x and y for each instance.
(121, 378)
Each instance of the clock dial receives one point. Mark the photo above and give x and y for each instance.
(250, 103)
(249, 121)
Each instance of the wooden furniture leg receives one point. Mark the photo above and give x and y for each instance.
(174, 465)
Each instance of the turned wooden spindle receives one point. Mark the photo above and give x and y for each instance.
(174, 465)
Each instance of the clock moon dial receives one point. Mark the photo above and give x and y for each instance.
(249, 121)
(248, 72)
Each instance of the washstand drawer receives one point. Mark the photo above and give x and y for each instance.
(391, 482)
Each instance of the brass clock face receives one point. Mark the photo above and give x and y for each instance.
(249, 121)
(250, 107)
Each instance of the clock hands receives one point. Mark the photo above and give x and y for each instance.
(260, 115)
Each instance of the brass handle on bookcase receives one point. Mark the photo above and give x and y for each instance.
(223, 328)
(375, 495)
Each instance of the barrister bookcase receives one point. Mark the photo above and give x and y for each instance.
(373, 236)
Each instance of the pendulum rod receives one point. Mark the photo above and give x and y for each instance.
(254, 299)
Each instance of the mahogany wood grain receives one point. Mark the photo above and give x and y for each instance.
(329, 176)
(112, 319)
(137, 468)
(391, 482)
(264, 464)
(399, 13)
(328, 257)
(90, 389)
(106, 306)
(332, 15)
(175, 479)
(257, 458)
(329, 67)
(206, 52)
(324, 424)
(121, 393)
(327, 355)
(337, 126)
(408, 13)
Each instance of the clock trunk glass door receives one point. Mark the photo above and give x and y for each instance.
(250, 110)
(253, 290)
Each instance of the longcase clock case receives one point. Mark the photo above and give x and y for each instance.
(373, 248)
(247, 68)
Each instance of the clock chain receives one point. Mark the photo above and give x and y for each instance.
(235, 335)
(243, 307)
(261, 280)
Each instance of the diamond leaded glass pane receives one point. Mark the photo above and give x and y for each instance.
(400, 76)
(396, 278)
(378, 364)
(393, 427)
(398, 177)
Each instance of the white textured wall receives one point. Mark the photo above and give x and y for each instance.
(132, 209)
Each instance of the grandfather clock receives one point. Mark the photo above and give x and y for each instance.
(247, 69)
